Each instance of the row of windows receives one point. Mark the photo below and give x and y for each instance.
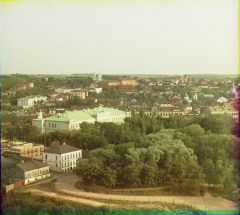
(116, 119)
(67, 164)
(67, 169)
(73, 155)
(34, 151)
(168, 114)
(230, 114)
(53, 125)
(66, 157)
(75, 125)
(36, 173)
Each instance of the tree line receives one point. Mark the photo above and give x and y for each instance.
(180, 152)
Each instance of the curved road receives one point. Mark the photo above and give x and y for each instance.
(66, 185)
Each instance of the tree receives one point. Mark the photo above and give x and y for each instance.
(193, 130)
(149, 175)
(220, 124)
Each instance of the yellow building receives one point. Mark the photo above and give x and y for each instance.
(128, 81)
(24, 149)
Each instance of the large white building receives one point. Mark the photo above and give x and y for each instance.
(30, 101)
(61, 157)
(71, 120)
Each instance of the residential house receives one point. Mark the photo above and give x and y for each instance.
(24, 171)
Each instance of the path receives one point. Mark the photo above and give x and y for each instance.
(69, 198)
(66, 185)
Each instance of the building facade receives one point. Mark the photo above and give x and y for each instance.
(25, 171)
(226, 109)
(72, 120)
(24, 149)
(61, 157)
(30, 101)
(81, 93)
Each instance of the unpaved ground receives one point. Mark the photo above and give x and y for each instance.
(70, 198)
(66, 185)
(66, 190)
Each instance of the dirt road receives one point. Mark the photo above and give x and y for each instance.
(70, 198)
(66, 185)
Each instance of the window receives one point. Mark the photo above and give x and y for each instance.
(56, 165)
(56, 158)
(46, 157)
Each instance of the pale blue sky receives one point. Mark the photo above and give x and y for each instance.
(174, 37)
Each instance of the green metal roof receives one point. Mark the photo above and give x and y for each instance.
(93, 112)
(70, 116)
(83, 115)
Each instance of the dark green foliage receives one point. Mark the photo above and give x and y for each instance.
(22, 131)
(218, 124)
(163, 161)
(140, 152)
(183, 158)
(76, 101)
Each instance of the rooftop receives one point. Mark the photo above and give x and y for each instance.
(58, 148)
(93, 112)
(23, 164)
(83, 115)
(71, 116)
(31, 165)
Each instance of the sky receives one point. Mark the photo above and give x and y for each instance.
(119, 37)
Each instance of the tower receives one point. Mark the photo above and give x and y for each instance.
(40, 115)
(195, 97)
